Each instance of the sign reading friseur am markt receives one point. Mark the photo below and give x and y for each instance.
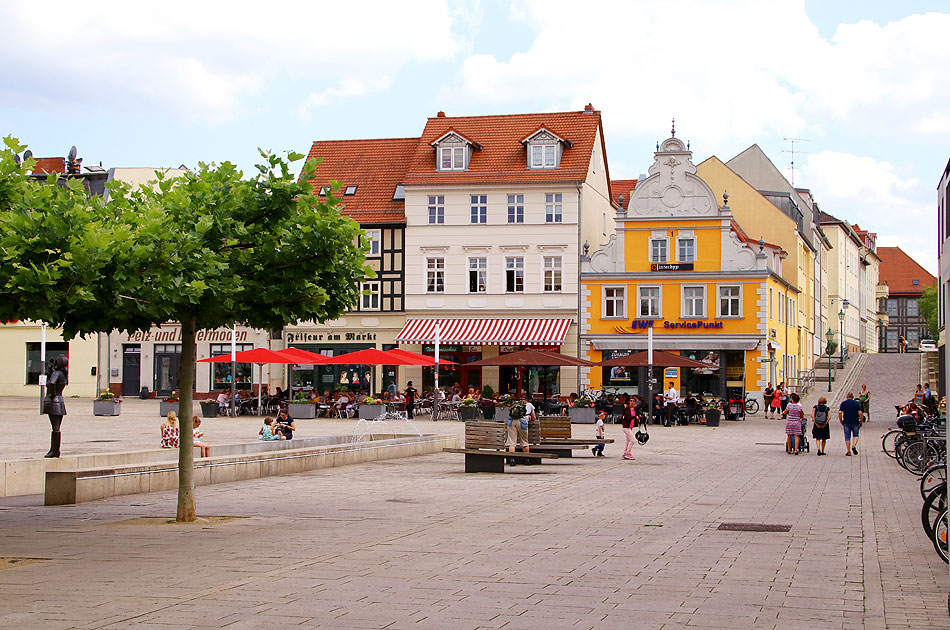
(671, 267)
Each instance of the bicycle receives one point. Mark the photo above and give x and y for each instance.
(751, 404)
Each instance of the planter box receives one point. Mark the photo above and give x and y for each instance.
(209, 410)
(106, 408)
(165, 406)
(712, 417)
(582, 415)
(488, 412)
(370, 412)
(302, 410)
(468, 413)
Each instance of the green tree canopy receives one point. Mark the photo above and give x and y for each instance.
(208, 249)
(927, 306)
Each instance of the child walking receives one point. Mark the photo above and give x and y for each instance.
(598, 449)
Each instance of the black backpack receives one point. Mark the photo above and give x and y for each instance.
(821, 417)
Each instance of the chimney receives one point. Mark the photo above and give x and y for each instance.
(588, 109)
(440, 115)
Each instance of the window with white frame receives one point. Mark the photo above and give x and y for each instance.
(781, 308)
(552, 207)
(730, 301)
(369, 298)
(436, 209)
(477, 275)
(543, 155)
(615, 302)
(435, 275)
(373, 241)
(912, 310)
(479, 208)
(515, 208)
(658, 250)
(451, 158)
(694, 301)
(514, 274)
(791, 311)
(552, 274)
(686, 250)
(649, 301)
(770, 302)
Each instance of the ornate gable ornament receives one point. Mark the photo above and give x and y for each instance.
(672, 188)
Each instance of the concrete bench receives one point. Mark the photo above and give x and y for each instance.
(79, 485)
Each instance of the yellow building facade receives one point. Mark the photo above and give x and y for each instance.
(681, 266)
(20, 371)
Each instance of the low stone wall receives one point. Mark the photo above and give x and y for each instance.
(79, 485)
(28, 476)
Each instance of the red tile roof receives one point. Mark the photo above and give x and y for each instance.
(745, 238)
(899, 271)
(49, 165)
(622, 187)
(374, 167)
(502, 157)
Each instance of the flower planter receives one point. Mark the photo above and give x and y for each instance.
(371, 412)
(106, 407)
(712, 417)
(582, 415)
(468, 413)
(488, 412)
(165, 406)
(302, 410)
(209, 409)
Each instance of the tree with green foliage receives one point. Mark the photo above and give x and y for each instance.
(207, 249)
(927, 307)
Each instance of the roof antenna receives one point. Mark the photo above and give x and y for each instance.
(673, 130)
(792, 151)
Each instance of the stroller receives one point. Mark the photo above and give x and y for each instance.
(803, 445)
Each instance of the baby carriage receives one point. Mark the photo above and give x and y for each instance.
(803, 445)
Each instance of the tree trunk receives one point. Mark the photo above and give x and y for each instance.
(186, 450)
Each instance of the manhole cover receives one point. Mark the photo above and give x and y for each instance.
(753, 527)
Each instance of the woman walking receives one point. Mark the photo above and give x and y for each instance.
(767, 398)
(626, 423)
(795, 416)
(821, 430)
(776, 404)
(865, 400)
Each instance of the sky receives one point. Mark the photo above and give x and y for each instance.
(862, 84)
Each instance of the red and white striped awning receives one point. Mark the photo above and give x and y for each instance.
(486, 331)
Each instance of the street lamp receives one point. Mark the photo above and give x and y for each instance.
(830, 334)
(841, 328)
(880, 335)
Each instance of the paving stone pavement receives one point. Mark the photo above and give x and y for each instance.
(580, 543)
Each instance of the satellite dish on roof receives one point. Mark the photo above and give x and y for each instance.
(73, 152)
(27, 155)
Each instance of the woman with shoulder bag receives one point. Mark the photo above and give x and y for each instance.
(626, 423)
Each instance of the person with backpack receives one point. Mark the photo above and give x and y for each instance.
(821, 429)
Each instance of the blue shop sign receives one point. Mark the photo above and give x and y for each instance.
(687, 325)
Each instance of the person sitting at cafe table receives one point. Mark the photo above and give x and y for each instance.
(223, 400)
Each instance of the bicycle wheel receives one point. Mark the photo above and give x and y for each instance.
(932, 477)
(751, 405)
(889, 442)
(935, 502)
(918, 456)
(939, 536)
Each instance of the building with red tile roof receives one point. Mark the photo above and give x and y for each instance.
(906, 281)
(622, 188)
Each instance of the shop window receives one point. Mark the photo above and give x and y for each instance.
(694, 301)
(730, 301)
(221, 372)
(649, 301)
(615, 302)
(34, 367)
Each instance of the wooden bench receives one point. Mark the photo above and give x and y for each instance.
(484, 448)
(554, 436)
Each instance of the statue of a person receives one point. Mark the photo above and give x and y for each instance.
(57, 376)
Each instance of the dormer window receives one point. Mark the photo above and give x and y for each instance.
(545, 149)
(453, 152)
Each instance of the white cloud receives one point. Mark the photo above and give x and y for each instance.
(203, 60)
(876, 196)
(345, 88)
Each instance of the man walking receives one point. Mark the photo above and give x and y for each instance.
(851, 418)
(672, 397)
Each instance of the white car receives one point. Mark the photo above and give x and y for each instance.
(927, 345)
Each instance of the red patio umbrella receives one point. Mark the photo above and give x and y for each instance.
(419, 359)
(260, 356)
(307, 357)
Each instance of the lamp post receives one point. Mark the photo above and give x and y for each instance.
(841, 328)
(880, 335)
(830, 335)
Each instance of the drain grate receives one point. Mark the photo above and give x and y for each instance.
(753, 527)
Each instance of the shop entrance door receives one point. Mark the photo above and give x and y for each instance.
(167, 368)
(131, 369)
